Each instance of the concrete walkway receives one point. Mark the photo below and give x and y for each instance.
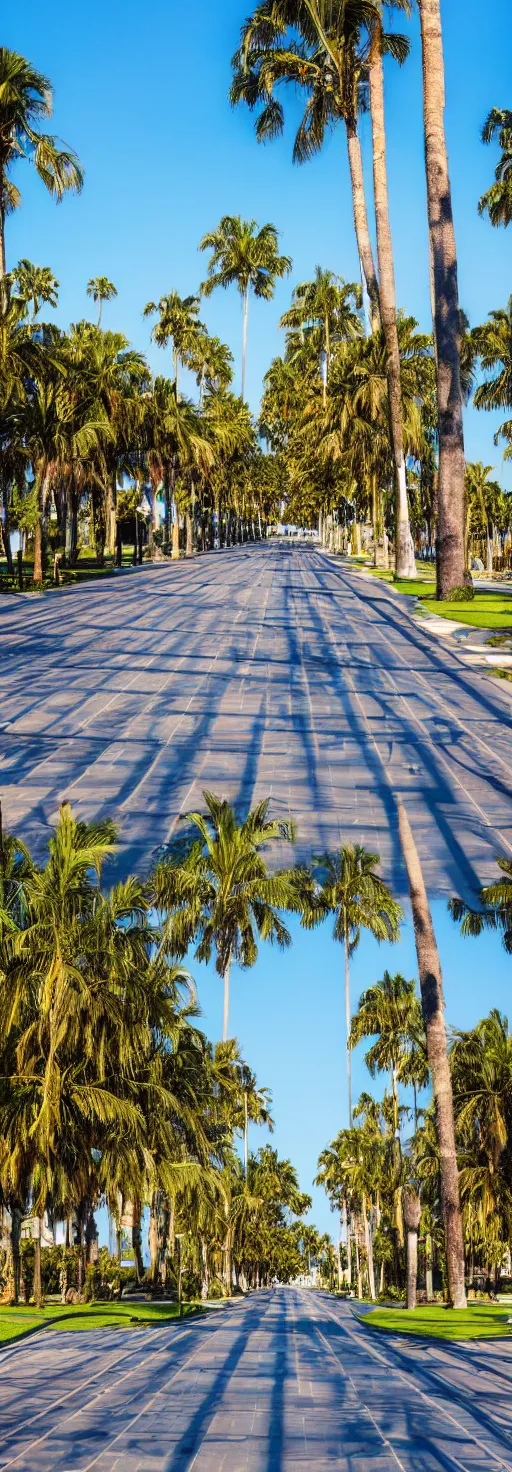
(256, 670)
(286, 1379)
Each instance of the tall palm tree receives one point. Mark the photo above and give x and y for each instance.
(178, 323)
(36, 284)
(221, 896)
(482, 498)
(346, 884)
(388, 1010)
(325, 308)
(25, 98)
(286, 41)
(432, 1001)
(244, 256)
(497, 200)
(102, 290)
(451, 572)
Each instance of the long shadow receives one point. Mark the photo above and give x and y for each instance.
(444, 664)
(441, 796)
(433, 1383)
(189, 1443)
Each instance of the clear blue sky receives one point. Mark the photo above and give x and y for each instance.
(141, 95)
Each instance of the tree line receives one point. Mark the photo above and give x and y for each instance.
(110, 1092)
(387, 401)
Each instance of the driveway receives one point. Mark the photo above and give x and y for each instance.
(285, 1379)
(257, 670)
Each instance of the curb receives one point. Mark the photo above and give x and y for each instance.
(447, 631)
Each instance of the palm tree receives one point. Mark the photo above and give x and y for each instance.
(244, 256)
(432, 1001)
(178, 322)
(495, 908)
(482, 499)
(493, 341)
(330, 66)
(346, 885)
(36, 284)
(210, 359)
(25, 97)
(323, 309)
(388, 1010)
(220, 895)
(451, 572)
(102, 290)
(497, 200)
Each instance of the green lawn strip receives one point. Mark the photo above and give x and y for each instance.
(16, 1323)
(485, 611)
(435, 1320)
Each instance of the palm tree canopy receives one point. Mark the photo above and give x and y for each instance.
(220, 893)
(25, 98)
(346, 884)
(245, 256)
(36, 284)
(390, 1011)
(497, 200)
(101, 289)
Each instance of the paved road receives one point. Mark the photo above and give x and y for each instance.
(256, 670)
(284, 1380)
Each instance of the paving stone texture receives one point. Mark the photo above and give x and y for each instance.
(257, 670)
(287, 1379)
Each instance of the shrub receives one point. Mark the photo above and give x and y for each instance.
(216, 1289)
(464, 594)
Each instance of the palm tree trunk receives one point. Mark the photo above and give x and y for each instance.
(246, 1134)
(111, 515)
(429, 1283)
(225, 1021)
(412, 1268)
(347, 1028)
(405, 565)
(244, 337)
(37, 1288)
(137, 1239)
(205, 1272)
(432, 1001)
(369, 1250)
(364, 245)
(188, 524)
(43, 488)
(3, 267)
(450, 522)
(175, 534)
(153, 1238)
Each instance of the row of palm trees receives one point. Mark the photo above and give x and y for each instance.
(90, 438)
(109, 1090)
(332, 52)
(388, 1195)
(325, 416)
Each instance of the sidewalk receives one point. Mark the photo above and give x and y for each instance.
(469, 643)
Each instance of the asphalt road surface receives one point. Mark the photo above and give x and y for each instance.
(254, 671)
(285, 1379)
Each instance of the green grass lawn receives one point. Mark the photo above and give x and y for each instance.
(485, 611)
(16, 1322)
(480, 1321)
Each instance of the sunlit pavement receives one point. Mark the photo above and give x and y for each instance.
(287, 1378)
(260, 669)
